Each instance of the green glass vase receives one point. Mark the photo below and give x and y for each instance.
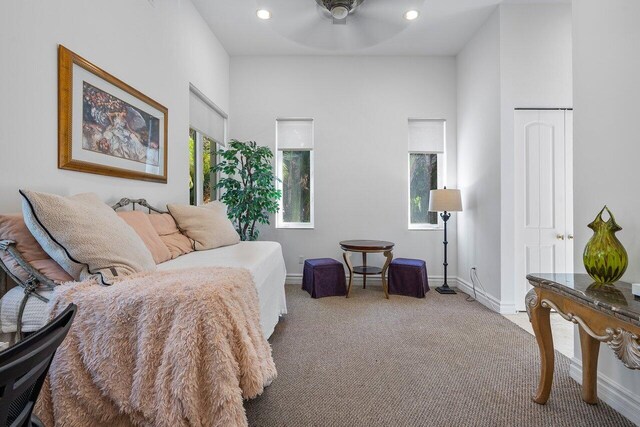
(605, 259)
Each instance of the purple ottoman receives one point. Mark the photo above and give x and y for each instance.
(324, 277)
(408, 277)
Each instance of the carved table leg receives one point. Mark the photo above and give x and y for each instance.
(347, 259)
(385, 285)
(542, 327)
(590, 348)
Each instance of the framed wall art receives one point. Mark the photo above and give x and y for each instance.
(107, 127)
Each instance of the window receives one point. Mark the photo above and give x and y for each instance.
(203, 154)
(423, 177)
(193, 199)
(294, 168)
(426, 169)
(209, 179)
(206, 136)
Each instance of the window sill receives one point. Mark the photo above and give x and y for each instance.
(425, 228)
(295, 226)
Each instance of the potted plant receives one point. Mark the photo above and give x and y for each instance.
(248, 185)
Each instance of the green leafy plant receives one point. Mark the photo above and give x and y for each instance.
(249, 187)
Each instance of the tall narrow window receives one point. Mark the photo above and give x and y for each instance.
(206, 136)
(193, 198)
(294, 163)
(209, 178)
(426, 169)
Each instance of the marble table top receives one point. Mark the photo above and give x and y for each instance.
(615, 299)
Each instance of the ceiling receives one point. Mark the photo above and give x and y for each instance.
(377, 27)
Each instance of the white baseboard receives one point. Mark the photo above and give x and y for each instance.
(486, 299)
(296, 279)
(293, 279)
(612, 393)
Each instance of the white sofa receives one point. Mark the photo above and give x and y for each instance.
(265, 262)
(263, 259)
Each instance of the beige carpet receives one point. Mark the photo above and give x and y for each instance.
(441, 361)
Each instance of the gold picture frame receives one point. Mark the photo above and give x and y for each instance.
(107, 127)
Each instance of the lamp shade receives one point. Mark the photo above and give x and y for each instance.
(446, 200)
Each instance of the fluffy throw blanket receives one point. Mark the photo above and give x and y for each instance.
(174, 348)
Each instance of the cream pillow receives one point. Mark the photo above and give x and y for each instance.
(85, 236)
(208, 226)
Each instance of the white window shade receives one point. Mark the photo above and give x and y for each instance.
(426, 135)
(204, 117)
(294, 134)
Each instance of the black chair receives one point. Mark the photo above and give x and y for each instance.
(24, 367)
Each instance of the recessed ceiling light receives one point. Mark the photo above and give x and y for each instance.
(410, 15)
(339, 12)
(263, 14)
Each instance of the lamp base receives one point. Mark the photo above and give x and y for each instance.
(445, 289)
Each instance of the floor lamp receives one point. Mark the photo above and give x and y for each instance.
(445, 201)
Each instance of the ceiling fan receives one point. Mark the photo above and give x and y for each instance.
(339, 10)
(370, 22)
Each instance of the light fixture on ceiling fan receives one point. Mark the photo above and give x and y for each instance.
(339, 9)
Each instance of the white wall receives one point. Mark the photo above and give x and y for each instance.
(156, 49)
(536, 72)
(478, 156)
(360, 106)
(606, 61)
(520, 58)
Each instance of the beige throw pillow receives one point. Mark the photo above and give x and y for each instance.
(208, 226)
(85, 236)
(141, 224)
(166, 227)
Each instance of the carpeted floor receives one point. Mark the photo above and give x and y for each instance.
(440, 361)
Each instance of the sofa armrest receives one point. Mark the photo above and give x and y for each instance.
(35, 281)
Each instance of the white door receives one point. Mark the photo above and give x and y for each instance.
(543, 196)
(568, 141)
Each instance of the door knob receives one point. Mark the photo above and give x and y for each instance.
(560, 237)
(570, 237)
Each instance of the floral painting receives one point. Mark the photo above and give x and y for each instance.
(113, 127)
(107, 127)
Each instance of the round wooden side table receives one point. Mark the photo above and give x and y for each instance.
(367, 247)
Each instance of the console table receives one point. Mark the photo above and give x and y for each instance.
(606, 314)
(367, 247)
